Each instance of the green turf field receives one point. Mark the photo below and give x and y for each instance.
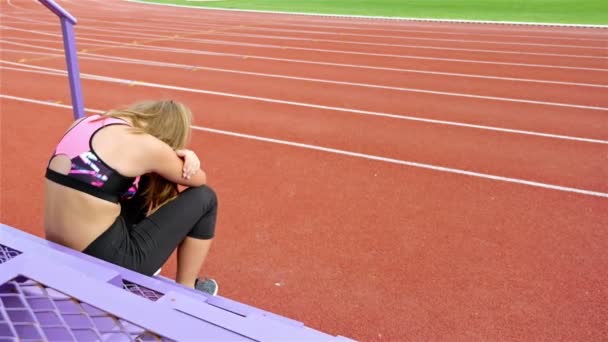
(551, 11)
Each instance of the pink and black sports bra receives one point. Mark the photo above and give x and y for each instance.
(88, 172)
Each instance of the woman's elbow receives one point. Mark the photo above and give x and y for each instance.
(200, 178)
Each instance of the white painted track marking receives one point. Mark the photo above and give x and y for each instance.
(360, 155)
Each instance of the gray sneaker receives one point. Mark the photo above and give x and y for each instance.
(207, 285)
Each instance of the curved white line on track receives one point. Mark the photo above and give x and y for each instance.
(360, 155)
(10, 3)
(58, 72)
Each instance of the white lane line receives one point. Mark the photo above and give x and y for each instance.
(31, 71)
(452, 94)
(387, 55)
(423, 47)
(309, 39)
(354, 84)
(360, 155)
(170, 25)
(368, 85)
(497, 98)
(58, 72)
(18, 20)
(237, 34)
(112, 59)
(46, 103)
(409, 163)
(350, 66)
(324, 21)
(92, 56)
(37, 40)
(281, 48)
(404, 31)
(409, 37)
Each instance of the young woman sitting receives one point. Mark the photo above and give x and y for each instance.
(113, 191)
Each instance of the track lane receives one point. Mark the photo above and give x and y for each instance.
(544, 160)
(455, 65)
(531, 116)
(492, 266)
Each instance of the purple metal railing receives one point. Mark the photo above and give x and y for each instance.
(71, 56)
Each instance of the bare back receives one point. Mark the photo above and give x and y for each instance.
(75, 218)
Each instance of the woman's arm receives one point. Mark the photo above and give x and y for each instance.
(160, 158)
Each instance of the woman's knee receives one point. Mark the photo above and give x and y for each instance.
(204, 195)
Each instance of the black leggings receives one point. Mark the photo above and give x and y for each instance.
(143, 244)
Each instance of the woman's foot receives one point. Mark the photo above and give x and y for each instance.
(207, 285)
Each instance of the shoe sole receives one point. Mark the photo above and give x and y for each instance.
(217, 289)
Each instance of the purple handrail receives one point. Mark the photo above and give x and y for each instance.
(71, 56)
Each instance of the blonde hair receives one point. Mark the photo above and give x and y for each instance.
(168, 121)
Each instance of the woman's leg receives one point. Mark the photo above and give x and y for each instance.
(191, 255)
(194, 248)
(187, 221)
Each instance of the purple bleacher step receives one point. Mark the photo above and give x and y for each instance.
(234, 306)
(156, 307)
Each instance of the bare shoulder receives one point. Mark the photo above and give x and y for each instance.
(128, 151)
(146, 143)
(145, 148)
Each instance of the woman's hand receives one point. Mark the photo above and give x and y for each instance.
(191, 163)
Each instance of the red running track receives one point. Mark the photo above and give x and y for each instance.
(344, 231)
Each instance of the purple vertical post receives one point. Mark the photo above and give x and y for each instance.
(71, 56)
